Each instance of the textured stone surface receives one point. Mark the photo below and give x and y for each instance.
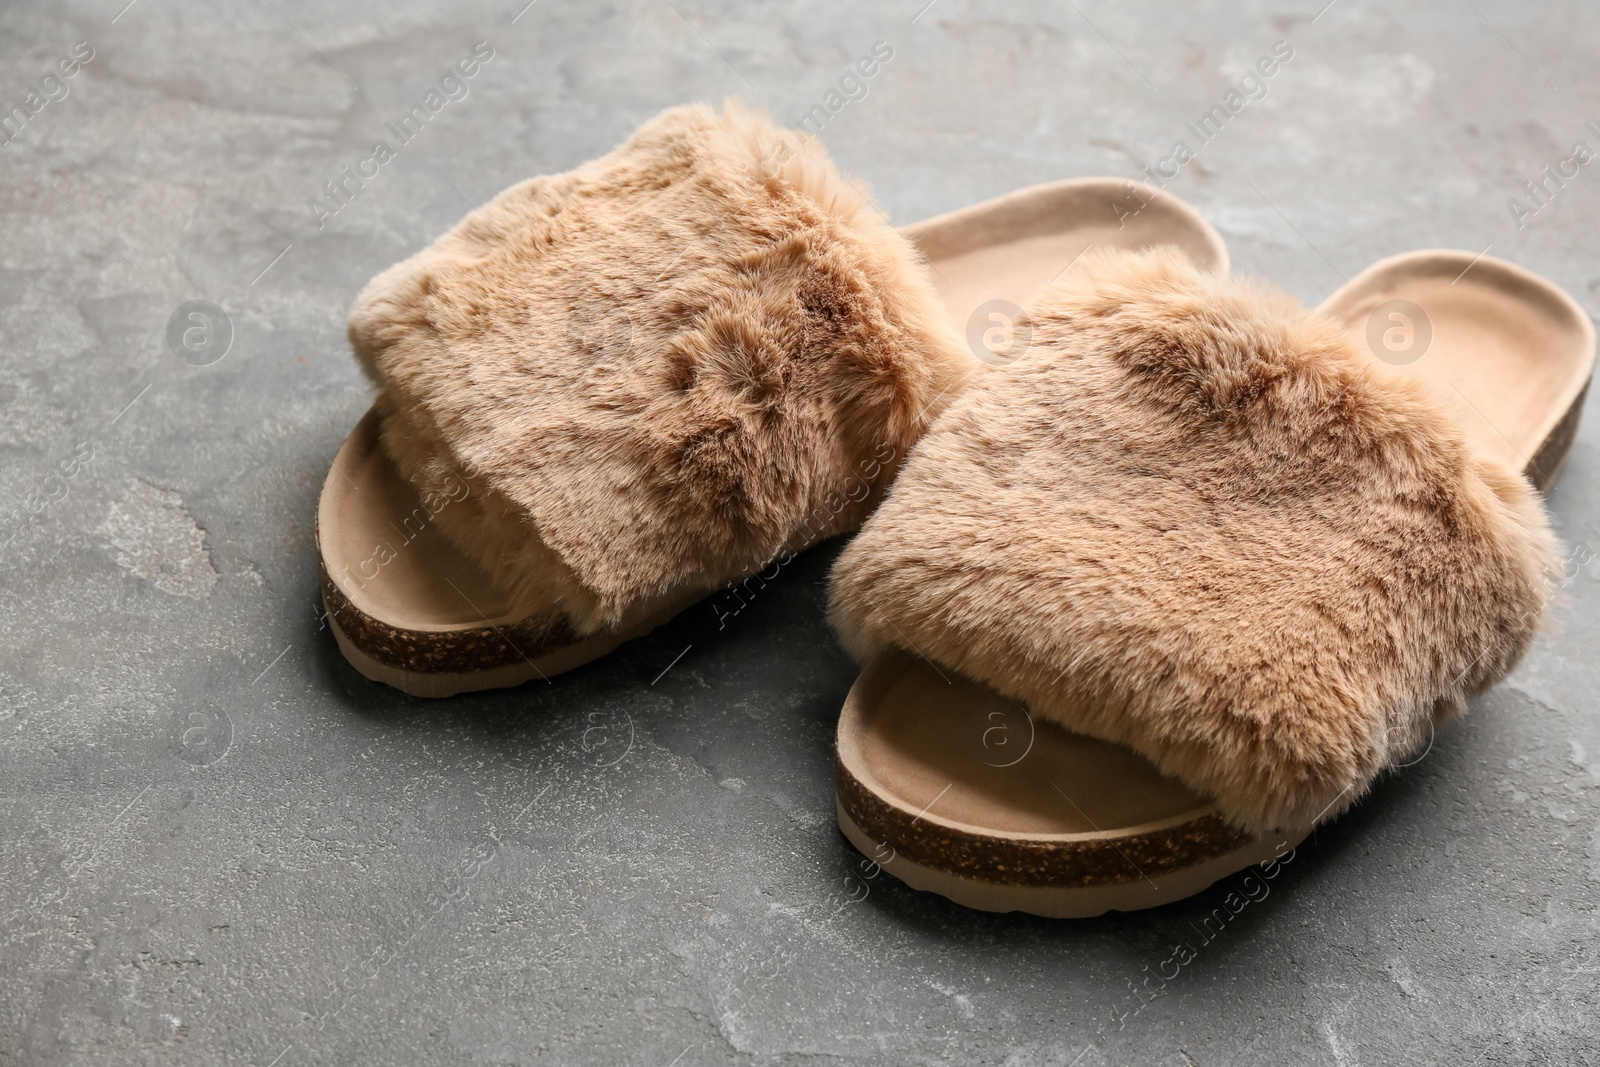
(223, 846)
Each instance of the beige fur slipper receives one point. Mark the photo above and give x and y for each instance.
(608, 392)
(1147, 604)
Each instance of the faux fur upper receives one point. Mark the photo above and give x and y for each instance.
(660, 368)
(1193, 520)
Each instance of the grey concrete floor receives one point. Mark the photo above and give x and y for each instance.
(221, 845)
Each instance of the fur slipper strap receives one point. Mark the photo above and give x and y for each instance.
(662, 367)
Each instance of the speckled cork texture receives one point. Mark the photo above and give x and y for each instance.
(1552, 455)
(453, 651)
(1063, 864)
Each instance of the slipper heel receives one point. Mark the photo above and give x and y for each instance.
(1510, 353)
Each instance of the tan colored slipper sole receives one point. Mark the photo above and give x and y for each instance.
(411, 611)
(959, 791)
(956, 790)
(1511, 353)
(990, 260)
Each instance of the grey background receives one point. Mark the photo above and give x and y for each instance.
(633, 867)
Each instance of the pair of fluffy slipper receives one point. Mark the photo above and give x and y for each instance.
(1170, 567)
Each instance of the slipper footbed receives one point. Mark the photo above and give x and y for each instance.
(1507, 353)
